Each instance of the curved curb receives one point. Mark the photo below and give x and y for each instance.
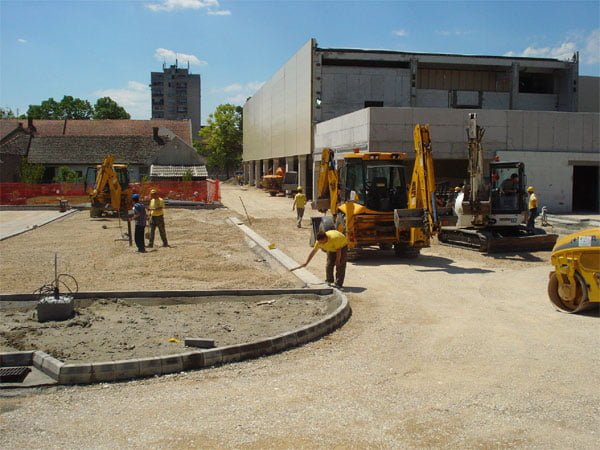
(147, 367)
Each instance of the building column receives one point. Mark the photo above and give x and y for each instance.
(249, 179)
(302, 171)
(257, 173)
(514, 85)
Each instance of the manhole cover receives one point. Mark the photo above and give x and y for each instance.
(13, 374)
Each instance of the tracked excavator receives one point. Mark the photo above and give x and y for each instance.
(491, 215)
(108, 188)
(371, 202)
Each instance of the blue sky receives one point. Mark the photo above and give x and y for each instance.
(92, 49)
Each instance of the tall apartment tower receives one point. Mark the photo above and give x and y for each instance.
(176, 95)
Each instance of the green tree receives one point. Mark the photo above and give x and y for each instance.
(6, 113)
(222, 138)
(68, 175)
(68, 108)
(31, 173)
(107, 108)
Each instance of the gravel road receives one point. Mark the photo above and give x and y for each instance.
(451, 350)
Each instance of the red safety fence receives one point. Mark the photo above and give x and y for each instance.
(207, 191)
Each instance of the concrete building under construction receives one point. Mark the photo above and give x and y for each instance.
(371, 99)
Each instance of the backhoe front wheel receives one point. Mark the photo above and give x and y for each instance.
(560, 299)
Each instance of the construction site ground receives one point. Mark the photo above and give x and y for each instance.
(454, 349)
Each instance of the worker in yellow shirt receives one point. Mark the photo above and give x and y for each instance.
(299, 204)
(157, 218)
(336, 246)
(533, 208)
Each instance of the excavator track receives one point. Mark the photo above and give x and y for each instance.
(486, 241)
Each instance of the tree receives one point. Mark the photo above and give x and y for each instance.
(222, 138)
(107, 108)
(31, 173)
(68, 108)
(6, 113)
(68, 175)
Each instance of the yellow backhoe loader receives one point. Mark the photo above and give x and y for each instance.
(370, 201)
(108, 187)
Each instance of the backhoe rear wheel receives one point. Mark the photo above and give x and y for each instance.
(579, 302)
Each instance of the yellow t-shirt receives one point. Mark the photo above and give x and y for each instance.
(532, 201)
(335, 241)
(300, 200)
(157, 203)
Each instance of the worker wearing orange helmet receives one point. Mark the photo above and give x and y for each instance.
(157, 218)
(533, 208)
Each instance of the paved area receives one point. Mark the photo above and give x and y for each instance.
(13, 223)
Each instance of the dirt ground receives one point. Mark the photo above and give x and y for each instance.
(207, 252)
(116, 329)
(453, 349)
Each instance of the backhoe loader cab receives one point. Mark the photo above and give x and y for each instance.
(376, 181)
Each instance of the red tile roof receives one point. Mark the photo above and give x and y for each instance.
(109, 127)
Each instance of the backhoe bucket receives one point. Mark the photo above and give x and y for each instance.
(409, 218)
(523, 243)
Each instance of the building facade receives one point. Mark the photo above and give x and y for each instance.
(371, 99)
(176, 95)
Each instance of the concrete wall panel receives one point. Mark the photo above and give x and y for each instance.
(277, 119)
(432, 98)
(536, 102)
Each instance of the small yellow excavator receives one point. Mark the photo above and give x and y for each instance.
(370, 201)
(108, 187)
(574, 284)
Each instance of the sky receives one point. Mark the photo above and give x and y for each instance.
(95, 48)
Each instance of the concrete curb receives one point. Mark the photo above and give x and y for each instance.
(324, 290)
(304, 275)
(87, 373)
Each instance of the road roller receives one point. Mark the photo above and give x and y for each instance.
(574, 284)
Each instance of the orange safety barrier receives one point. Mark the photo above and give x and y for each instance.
(39, 194)
(207, 191)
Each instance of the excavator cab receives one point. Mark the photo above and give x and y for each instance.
(508, 187)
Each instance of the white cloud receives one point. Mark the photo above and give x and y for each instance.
(237, 93)
(401, 33)
(591, 51)
(135, 98)
(588, 46)
(163, 54)
(219, 12)
(22, 41)
(235, 87)
(254, 85)
(174, 5)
